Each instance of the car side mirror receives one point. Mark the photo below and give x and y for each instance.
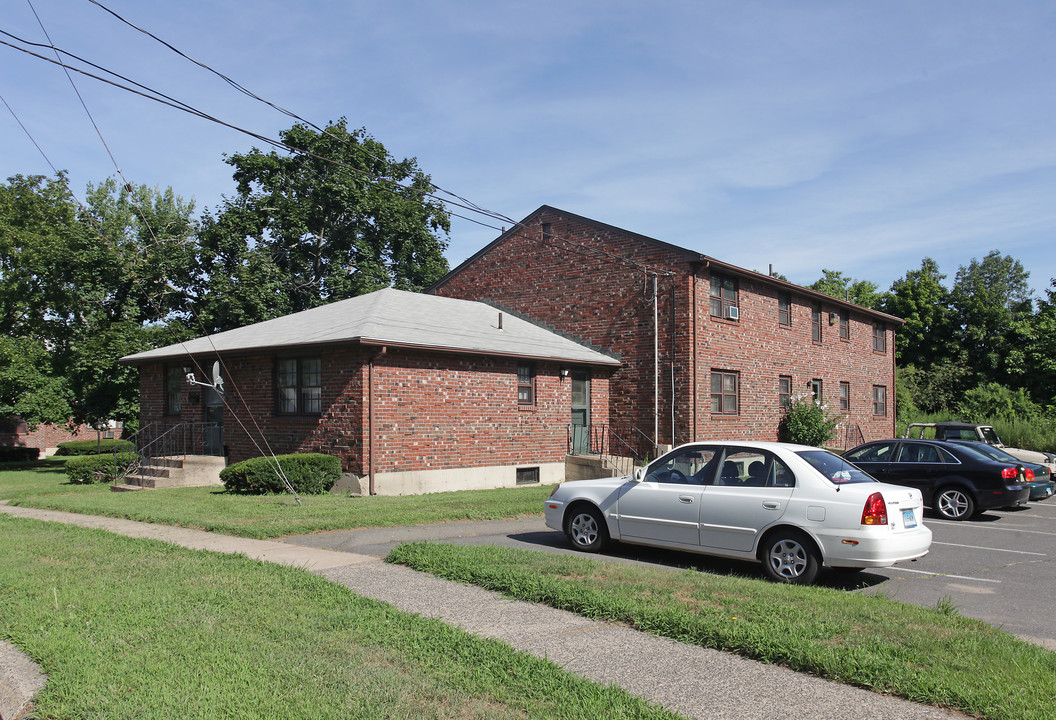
(639, 474)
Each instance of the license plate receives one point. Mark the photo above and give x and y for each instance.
(909, 519)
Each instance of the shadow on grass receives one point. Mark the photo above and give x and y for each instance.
(555, 542)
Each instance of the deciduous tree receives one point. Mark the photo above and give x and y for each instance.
(337, 218)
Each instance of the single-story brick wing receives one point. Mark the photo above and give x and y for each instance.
(415, 393)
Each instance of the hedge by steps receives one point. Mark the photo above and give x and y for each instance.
(89, 469)
(308, 473)
(94, 447)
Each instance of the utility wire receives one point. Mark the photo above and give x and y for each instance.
(146, 223)
(460, 202)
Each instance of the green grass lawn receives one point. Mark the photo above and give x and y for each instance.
(927, 655)
(141, 629)
(262, 516)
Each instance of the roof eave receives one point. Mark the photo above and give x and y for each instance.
(707, 262)
(375, 342)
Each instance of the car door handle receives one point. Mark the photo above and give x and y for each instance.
(687, 499)
(771, 505)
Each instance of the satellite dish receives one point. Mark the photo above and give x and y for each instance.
(218, 382)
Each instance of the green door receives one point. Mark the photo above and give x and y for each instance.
(580, 412)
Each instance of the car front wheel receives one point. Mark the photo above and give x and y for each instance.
(954, 504)
(586, 529)
(790, 557)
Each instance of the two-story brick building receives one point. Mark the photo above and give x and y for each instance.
(415, 393)
(709, 350)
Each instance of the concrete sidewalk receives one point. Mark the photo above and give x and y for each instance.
(693, 681)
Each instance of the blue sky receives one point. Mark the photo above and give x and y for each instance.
(859, 137)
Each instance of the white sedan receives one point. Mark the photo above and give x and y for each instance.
(793, 508)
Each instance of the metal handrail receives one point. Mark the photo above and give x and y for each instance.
(158, 440)
(852, 435)
(612, 447)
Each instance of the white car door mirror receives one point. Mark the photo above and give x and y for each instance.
(639, 474)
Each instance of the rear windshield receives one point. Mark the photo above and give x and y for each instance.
(834, 467)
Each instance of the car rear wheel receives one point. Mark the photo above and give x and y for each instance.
(954, 504)
(586, 529)
(790, 557)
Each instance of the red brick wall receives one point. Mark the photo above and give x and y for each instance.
(46, 435)
(576, 282)
(433, 410)
(436, 411)
(579, 288)
(760, 349)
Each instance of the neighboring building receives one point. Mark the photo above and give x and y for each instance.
(710, 350)
(47, 436)
(415, 393)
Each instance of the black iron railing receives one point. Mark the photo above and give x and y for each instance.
(849, 435)
(623, 450)
(158, 440)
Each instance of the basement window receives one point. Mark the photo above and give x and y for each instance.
(528, 476)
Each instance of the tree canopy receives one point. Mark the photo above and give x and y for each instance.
(836, 284)
(339, 217)
(81, 287)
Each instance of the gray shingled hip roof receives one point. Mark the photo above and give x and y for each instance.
(393, 318)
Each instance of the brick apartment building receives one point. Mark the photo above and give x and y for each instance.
(709, 350)
(415, 393)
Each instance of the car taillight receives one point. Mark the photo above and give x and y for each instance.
(875, 512)
(1029, 474)
(554, 490)
(1009, 473)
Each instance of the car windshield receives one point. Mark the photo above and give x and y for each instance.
(834, 467)
(991, 435)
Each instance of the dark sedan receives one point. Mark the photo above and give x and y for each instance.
(1041, 485)
(957, 482)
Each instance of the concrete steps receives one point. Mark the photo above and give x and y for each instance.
(170, 472)
(588, 467)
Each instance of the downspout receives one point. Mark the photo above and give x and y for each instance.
(694, 348)
(656, 366)
(894, 383)
(370, 419)
(674, 345)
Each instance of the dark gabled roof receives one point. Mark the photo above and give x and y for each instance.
(690, 256)
(393, 318)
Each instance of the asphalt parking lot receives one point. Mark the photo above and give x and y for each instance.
(999, 567)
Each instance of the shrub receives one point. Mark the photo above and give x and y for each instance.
(94, 447)
(308, 473)
(18, 453)
(807, 422)
(89, 469)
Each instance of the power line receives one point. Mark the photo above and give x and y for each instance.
(146, 223)
(152, 94)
